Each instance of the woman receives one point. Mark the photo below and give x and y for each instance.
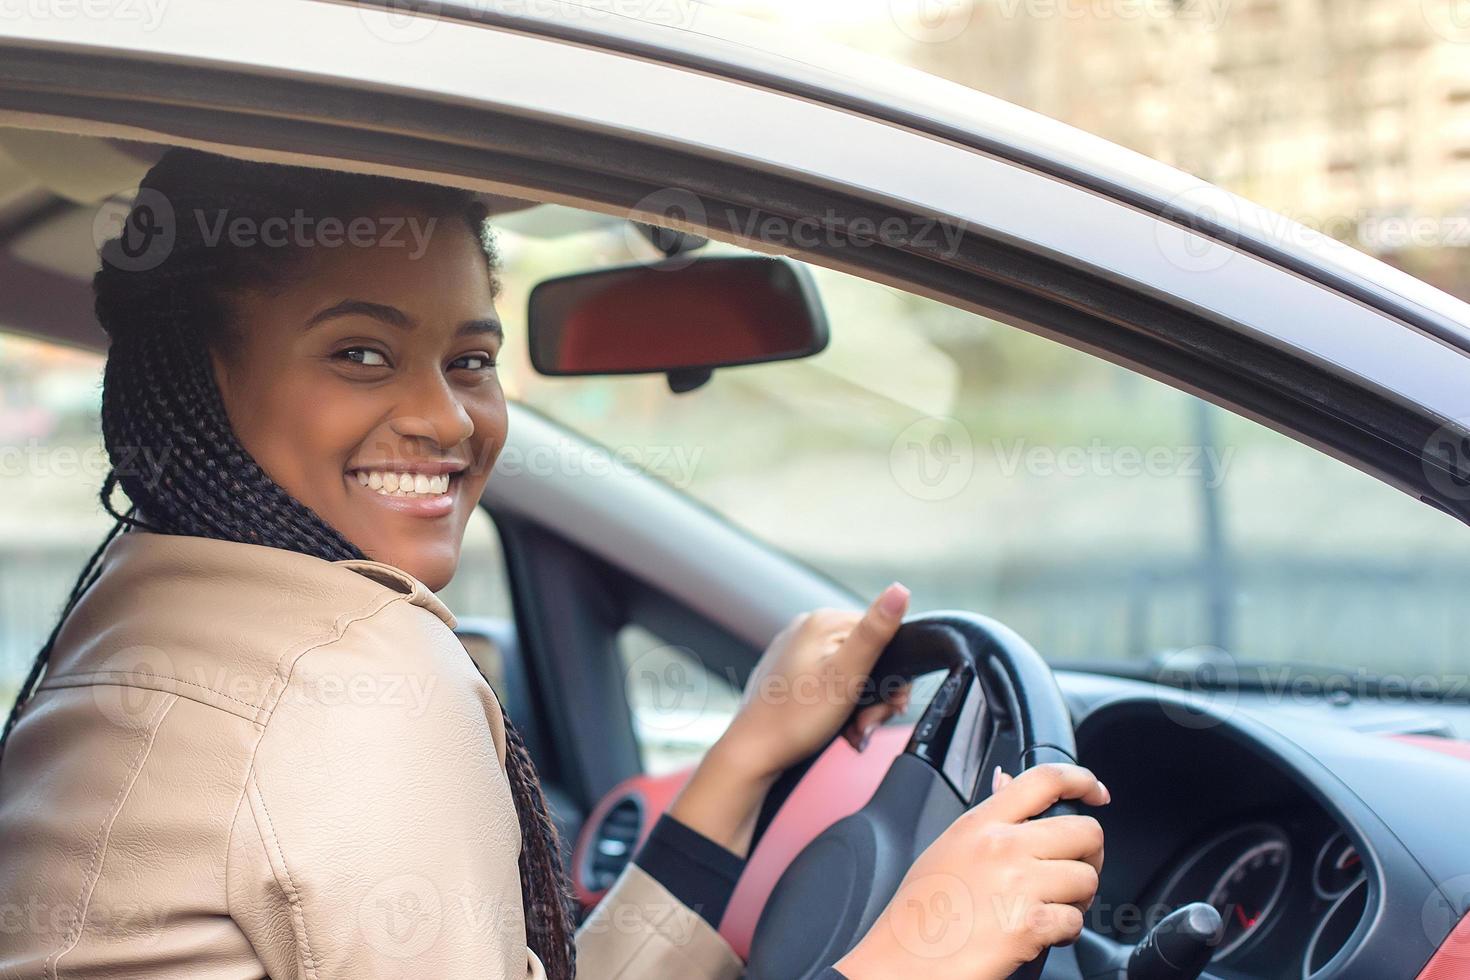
(212, 772)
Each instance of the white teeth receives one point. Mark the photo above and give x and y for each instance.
(393, 484)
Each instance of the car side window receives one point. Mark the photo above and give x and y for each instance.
(52, 464)
(678, 707)
(1111, 519)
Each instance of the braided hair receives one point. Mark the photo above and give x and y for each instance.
(162, 297)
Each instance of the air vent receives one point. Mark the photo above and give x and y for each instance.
(611, 846)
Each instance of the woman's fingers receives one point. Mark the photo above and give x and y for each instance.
(1059, 925)
(867, 719)
(874, 631)
(1032, 792)
(1067, 838)
(1066, 882)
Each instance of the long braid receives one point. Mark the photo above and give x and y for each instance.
(177, 459)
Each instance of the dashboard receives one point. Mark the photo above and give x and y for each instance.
(1331, 853)
(1209, 819)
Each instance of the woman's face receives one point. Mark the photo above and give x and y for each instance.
(366, 387)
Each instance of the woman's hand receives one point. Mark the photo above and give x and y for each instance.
(801, 692)
(995, 889)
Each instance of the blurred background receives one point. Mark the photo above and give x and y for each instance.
(1107, 517)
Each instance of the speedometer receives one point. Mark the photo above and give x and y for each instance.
(1247, 891)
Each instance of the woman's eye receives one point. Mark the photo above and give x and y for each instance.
(473, 362)
(364, 355)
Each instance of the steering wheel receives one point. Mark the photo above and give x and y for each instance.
(998, 706)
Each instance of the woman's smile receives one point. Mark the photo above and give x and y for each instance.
(424, 489)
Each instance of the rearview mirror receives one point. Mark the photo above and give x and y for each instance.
(680, 317)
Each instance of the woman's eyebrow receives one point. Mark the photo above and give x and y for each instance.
(390, 315)
(484, 325)
(395, 317)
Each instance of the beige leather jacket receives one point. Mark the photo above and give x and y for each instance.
(247, 762)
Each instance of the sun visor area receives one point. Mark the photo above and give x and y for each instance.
(81, 169)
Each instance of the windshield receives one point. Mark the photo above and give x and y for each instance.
(1107, 517)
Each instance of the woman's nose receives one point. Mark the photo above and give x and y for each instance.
(436, 414)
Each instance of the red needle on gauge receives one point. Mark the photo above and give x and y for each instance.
(1245, 922)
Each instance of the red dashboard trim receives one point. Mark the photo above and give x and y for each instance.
(840, 782)
(653, 793)
(1452, 960)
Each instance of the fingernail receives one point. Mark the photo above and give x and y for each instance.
(893, 599)
(867, 735)
(1107, 794)
(995, 779)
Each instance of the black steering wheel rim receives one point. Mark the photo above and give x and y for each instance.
(998, 705)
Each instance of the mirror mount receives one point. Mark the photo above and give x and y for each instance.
(672, 243)
(683, 380)
(669, 241)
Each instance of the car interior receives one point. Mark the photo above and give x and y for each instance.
(617, 612)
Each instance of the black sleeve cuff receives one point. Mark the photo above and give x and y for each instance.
(695, 870)
(831, 974)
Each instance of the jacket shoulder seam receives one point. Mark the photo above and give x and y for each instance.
(268, 839)
(104, 837)
(340, 626)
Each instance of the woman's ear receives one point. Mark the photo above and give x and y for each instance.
(226, 370)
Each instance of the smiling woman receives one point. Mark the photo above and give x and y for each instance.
(303, 432)
(268, 383)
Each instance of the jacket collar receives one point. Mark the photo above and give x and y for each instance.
(219, 621)
(138, 552)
